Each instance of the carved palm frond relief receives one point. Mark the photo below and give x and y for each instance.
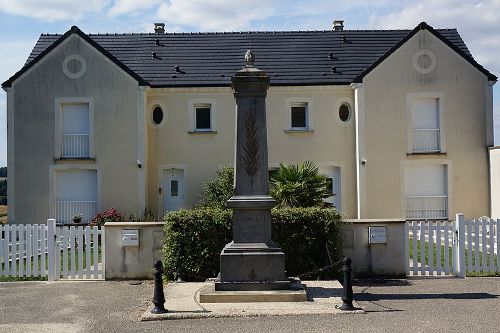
(251, 147)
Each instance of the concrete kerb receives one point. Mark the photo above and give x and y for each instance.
(182, 302)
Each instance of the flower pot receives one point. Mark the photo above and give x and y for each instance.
(77, 219)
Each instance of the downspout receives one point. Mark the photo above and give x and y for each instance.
(359, 111)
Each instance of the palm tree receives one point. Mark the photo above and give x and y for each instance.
(299, 185)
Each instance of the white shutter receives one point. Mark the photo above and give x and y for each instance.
(426, 192)
(78, 185)
(429, 180)
(75, 118)
(424, 113)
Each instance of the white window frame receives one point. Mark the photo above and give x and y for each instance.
(53, 169)
(441, 116)
(193, 104)
(298, 101)
(424, 162)
(59, 102)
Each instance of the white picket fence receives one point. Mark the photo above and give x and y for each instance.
(437, 248)
(55, 252)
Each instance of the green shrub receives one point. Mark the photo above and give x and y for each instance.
(299, 185)
(218, 190)
(195, 238)
(311, 239)
(193, 242)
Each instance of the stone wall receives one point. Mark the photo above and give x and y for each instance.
(133, 262)
(386, 260)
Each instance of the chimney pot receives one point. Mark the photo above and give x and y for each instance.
(338, 25)
(160, 28)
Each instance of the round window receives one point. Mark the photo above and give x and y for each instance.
(424, 61)
(344, 112)
(74, 66)
(157, 115)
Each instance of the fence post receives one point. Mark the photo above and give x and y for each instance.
(459, 262)
(51, 249)
(103, 251)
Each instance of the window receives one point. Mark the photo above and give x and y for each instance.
(425, 132)
(426, 192)
(76, 193)
(75, 130)
(203, 117)
(344, 112)
(298, 112)
(157, 115)
(174, 188)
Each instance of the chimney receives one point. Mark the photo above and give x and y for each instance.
(159, 28)
(338, 25)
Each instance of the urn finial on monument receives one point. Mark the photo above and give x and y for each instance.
(249, 58)
(252, 260)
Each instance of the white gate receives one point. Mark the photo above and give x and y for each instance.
(55, 252)
(463, 246)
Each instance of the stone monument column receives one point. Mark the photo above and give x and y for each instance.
(252, 261)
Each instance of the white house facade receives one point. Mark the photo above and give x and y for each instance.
(401, 121)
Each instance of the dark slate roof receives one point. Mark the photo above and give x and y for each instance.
(289, 57)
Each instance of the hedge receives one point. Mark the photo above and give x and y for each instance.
(310, 238)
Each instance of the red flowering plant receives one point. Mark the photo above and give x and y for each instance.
(111, 215)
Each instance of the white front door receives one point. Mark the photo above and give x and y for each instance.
(173, 185)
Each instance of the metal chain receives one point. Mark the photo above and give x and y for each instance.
(322, 269)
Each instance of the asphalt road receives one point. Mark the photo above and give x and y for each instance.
(417, 305)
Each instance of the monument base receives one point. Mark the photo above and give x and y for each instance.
(252, 262)
(295, 292)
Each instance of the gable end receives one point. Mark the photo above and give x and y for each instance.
(425, 26)
(77, 31)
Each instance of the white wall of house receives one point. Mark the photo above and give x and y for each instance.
(389, 90)
(37, 124)
(495, 181)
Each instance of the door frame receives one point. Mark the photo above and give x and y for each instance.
(341, 166)
(161, 169)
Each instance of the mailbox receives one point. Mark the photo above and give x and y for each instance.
(130, 237)
(377, 235)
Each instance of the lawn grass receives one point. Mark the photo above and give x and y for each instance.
(21, 279)
(442, 259)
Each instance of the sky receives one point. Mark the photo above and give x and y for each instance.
(22, 22)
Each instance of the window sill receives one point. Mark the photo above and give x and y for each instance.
(202, 132)
(437, 153)
(75, 159)
(299, 130)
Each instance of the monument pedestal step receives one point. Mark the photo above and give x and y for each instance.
(295, 293)
(252, 262)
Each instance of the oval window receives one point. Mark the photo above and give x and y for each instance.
(157, 115)
(344, 112)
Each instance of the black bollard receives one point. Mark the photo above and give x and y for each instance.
(347, 295)
(159, 296)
